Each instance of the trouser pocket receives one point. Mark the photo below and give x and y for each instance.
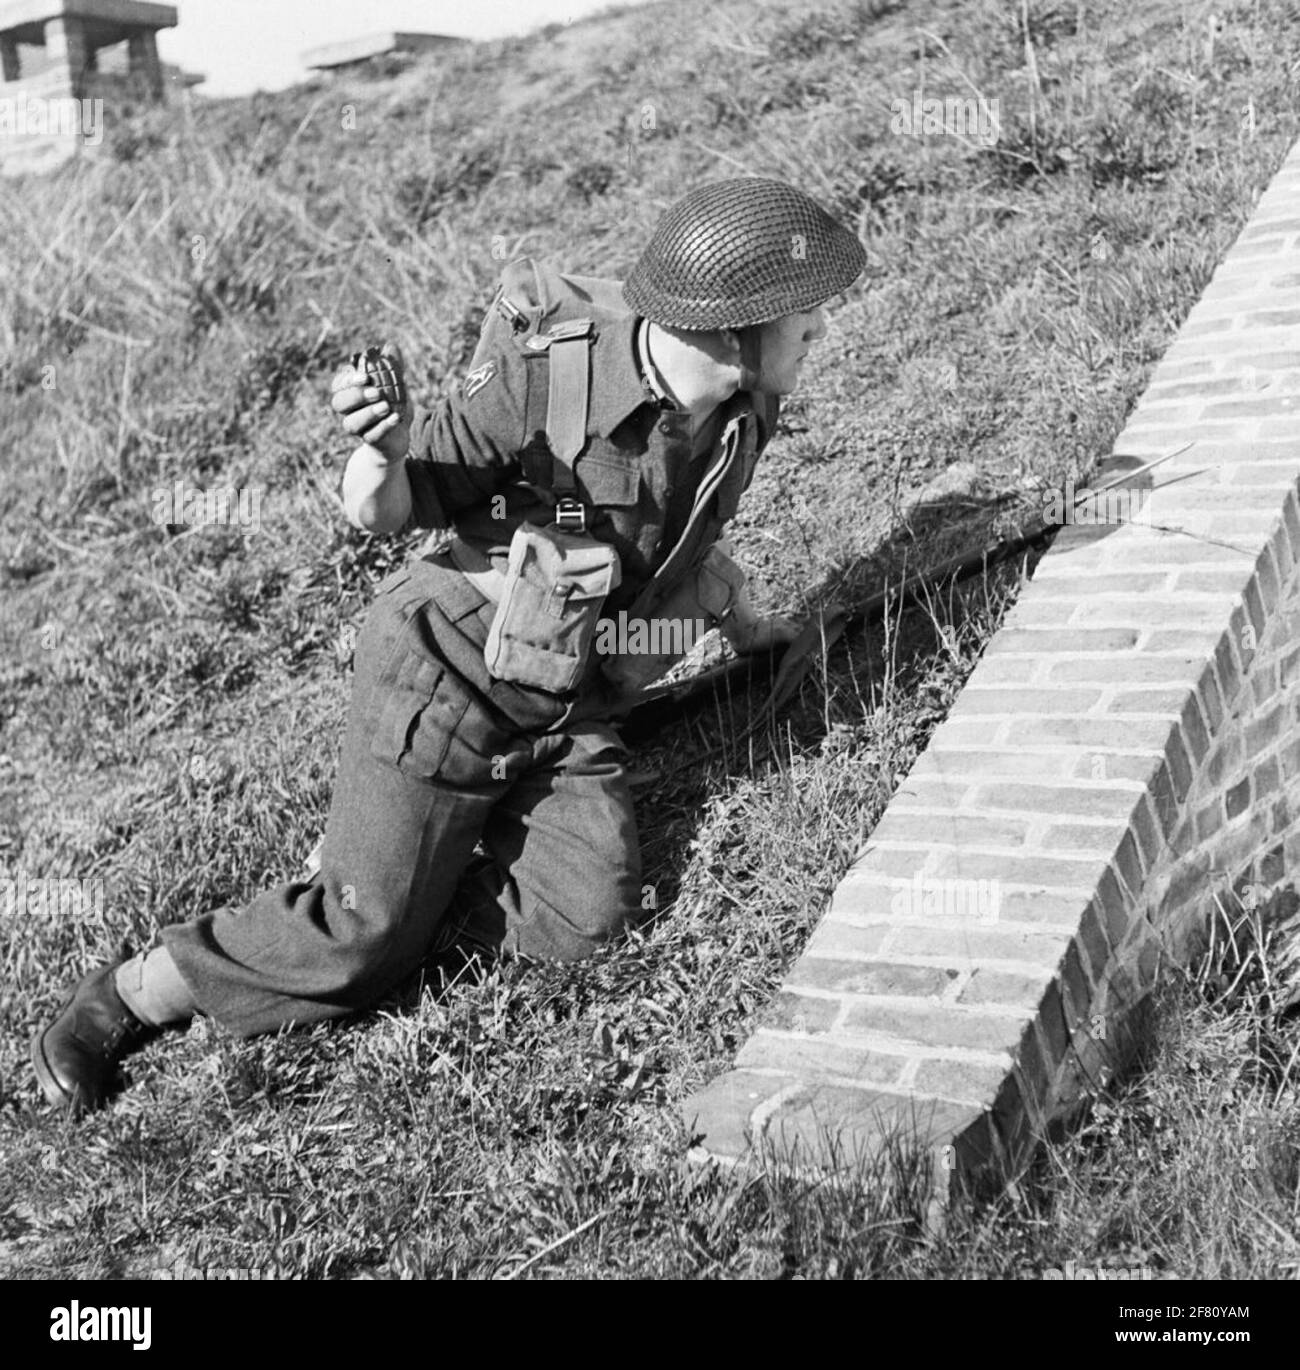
(544, 626)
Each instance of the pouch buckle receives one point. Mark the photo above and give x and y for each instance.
(570, 515)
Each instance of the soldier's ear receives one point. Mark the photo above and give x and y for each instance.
(732, 345)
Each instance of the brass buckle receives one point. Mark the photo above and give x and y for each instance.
(570, 515)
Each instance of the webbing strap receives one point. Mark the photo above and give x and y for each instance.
(566, 407)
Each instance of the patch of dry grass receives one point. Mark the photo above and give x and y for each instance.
(171, 698)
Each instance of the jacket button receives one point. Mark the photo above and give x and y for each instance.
(665, 427)
(668, 491)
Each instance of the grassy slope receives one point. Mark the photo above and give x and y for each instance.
(171, 701)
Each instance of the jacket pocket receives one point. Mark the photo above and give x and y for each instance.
(608, 483)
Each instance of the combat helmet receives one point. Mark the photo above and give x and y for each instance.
(741, 252)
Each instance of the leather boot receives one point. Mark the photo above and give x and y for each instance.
(77, 1056)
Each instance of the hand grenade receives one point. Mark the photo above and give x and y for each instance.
(384, 372)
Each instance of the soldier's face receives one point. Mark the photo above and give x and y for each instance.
(783, 344)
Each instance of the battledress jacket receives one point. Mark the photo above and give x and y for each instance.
(479, 461)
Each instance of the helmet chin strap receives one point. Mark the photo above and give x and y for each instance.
(751, 360)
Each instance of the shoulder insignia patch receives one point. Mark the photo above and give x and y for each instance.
(478, 378)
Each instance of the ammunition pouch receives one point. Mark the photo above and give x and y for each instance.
(552, 592)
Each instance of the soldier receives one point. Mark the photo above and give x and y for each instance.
(482, 803)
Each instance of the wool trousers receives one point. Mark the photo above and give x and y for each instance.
(467, 813)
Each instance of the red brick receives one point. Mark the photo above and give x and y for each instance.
(1188, 882)
(1266, 778)
(1150, 841)
(1064, 641)
(1101, 838)
(1122, 734)
(830, 1123)
(1021, 703)
(1076, 987)
(1114, 905)
(1283, 554)
(1011, 988)
(1291, 519)
(996, 670)
(964, 866)
(1211, 700)
(817, 1057)
(1125, 670)
(1262, 732)
(1289, 671)
(1129, 864)
(1209, 820)
(1100, 767)
(1267, 581)
(1051, 1019)
(1226, 759)
(1263, 408)
(1165, 802)
(1032, 1070)
(1245, 636)
(1193, 389)
(965, 766)
(863, 896)
(1275, 226)
(1038, 907)
(1092, 932)
(722, 1109)
(833, 937)
(869, 977)
(1106, 582)
(1180, 768)
(949, 829)
(1289, 753)
(1060, 801)
(970, 944)
(1223, 582)
(1166, 702)
(1176, 550)
(1180, 641)
(1254, 597)
(929, 792)
(800, 1013)
(1183, 614)
(965, 1081)
(937, 1026)
(1195, 735)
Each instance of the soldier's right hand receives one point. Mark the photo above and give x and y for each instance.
(365, 414)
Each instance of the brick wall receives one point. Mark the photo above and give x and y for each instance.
(1126, 752)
